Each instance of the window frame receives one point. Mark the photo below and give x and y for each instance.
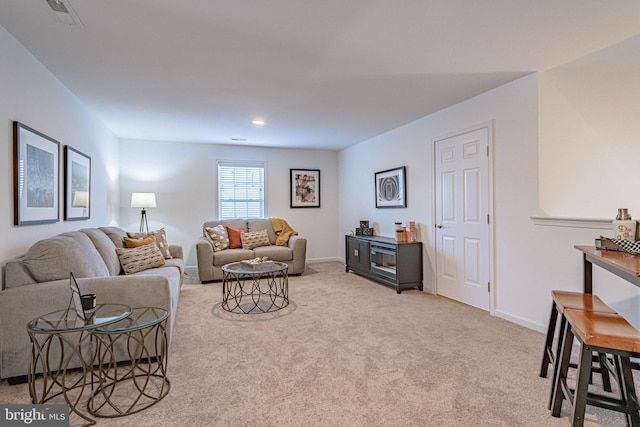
(241, 164)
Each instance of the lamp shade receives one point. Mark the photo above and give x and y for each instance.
(143, 200)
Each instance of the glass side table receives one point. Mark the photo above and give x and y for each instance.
(262, 290)
(141, 381)
(61, 348)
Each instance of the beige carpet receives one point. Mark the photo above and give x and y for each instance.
(347, 352)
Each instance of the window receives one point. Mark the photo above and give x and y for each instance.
(240, 189)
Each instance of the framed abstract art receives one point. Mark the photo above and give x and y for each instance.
(391, 189)
(305, 188)
(36, 176)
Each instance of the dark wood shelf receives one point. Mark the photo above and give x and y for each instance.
(383, 259)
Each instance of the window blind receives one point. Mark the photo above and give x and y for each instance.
(240, 190)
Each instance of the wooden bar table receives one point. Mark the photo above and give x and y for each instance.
(622, 264)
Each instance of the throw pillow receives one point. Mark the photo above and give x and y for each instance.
(141, 258)
(255, 239)
(218, 237)
(134, 243)
(161, 240)
(235, 237)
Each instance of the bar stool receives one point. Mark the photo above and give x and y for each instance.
(605, 333)
(563, 300)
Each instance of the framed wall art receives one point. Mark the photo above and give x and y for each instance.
(305, 188)
(77, 185)
(391, 189)
(36, 177)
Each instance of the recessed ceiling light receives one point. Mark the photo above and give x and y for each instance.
(258, 122)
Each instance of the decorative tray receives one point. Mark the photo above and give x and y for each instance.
(257, 264)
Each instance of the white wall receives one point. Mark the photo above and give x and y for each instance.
(184, 178)
(590, 134)
(30, 94)
(582, 119)
(513, 110)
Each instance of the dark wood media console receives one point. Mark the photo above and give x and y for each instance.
(397, 264)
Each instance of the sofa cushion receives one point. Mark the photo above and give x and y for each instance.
(106, 248)
(161, 240)
(54, 258)
(262, 224)
(138, 259)
(231, 255)
(276, 253)
(255, 239)
(235, 237)
(218, 237)
(115, 234)
(233, 223)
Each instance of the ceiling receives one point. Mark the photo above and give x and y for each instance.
(323, 74)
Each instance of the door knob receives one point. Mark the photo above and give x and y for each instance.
(439, 226)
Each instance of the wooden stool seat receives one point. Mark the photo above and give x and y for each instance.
(604, 330)
(607, 334)
(579, 301)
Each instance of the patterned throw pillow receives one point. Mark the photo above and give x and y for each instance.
(130, 242)
(254, 239)
(235, 239)
(218, 237)
(141, 258)
(161, 240)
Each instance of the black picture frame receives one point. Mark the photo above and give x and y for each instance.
(36, 176)
(391, 188)
(305, 188)
(77, 185)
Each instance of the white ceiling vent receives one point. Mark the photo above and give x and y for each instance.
(64, 12)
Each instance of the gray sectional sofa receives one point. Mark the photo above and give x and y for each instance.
(210, 262)
(38, 283)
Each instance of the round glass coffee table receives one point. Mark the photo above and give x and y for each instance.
(254, 290)
(62, 349)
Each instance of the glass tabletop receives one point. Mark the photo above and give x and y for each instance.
(138, 319)
(240, 267)
(67, 320)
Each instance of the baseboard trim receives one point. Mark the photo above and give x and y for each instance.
(521, 321)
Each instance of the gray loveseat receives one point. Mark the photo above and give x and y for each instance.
(38, 283)
(210, 262)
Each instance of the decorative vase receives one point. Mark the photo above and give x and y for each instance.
(399, 232)
(624, 228)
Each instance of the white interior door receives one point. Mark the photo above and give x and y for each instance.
(462, 217)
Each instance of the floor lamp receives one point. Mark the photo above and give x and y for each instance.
(143, 200)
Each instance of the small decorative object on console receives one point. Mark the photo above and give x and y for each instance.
(623, 226)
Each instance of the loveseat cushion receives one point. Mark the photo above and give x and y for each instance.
(54, 258)
(218, 237)
(235, 237)
(262, 224)
(276, 253)
(254, 239)
(231, 255)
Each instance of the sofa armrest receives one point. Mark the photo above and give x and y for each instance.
(176, 251)
(298, 245)
(204, 254)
